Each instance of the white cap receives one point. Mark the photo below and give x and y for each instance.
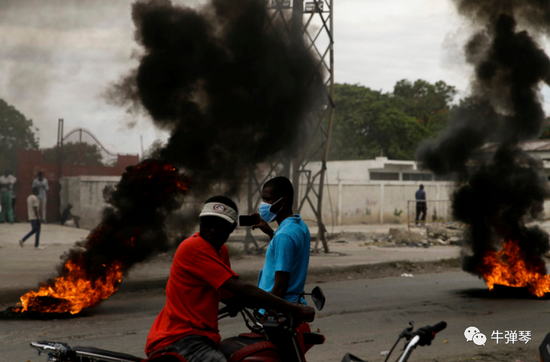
(219, 209)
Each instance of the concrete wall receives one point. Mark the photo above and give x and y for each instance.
(350, 197)
(344, 202)
(372, 202)
(30, 162)
(85, 193)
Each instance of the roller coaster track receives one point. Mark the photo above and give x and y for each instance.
(83, 130)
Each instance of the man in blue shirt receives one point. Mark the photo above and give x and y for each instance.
(420, 197)
(287, 257)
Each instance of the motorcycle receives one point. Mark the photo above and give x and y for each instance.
(421, 337)
(544, 349)
(277, 339)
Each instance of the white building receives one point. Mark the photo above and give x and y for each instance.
(378, 191)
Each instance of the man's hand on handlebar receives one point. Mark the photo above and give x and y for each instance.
(305, 314)
(302, 314)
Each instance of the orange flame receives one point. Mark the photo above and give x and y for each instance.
(77, 289)
(508, 267)
(73, 292)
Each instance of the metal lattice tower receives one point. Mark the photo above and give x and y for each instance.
(314, 20)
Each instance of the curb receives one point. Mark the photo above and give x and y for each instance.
(132, 285)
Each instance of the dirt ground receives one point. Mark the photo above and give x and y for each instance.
(393, 269)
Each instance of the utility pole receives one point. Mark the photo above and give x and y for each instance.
(314, 21)
(59, 154)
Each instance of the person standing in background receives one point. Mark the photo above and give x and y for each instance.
(42, 184)
(6, 185)
(34, 218)
(421, 208)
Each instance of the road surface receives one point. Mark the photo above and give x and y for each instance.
(362, 317)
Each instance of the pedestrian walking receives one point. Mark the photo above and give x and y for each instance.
(34, 218)
(421, 208)
(42, 183)
(6, 185)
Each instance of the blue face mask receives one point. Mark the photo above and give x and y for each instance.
(265, 211)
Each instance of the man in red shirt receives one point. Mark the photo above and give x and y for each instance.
(200, 273)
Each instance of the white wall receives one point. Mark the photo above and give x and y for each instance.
(371, 202)
(85, 193)
(344, 202)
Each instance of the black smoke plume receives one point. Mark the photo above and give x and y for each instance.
(132, 225)
(499, 186)
(131, 230)
(231, 85)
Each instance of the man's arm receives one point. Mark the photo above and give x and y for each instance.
(36, 213)
(255, 297)
(282, 280)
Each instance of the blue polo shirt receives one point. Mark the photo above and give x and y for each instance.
(420, 196)
(288, 251)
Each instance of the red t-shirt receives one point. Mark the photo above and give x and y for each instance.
(192, 294)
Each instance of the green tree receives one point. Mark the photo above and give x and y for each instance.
(370, 123)
(75, 154)
(428, 103)
(16, 132)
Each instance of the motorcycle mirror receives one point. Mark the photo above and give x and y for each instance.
(544, 349)
(318, 297)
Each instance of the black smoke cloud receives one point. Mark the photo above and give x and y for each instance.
(499, 186)
(132, 229)
(232, 86)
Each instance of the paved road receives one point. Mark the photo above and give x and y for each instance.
(22, 269)
(366, 316)
(362, 317)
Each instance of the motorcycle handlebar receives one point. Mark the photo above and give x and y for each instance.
(439, 327)
(428, 333)
(53, 348)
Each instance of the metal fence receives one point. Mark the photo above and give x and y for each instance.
(438, 212)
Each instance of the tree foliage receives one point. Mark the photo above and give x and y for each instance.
(75, 154)
(369, 123)
(16, 132)
(428, 103)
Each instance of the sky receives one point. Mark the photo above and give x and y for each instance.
(58, 58)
